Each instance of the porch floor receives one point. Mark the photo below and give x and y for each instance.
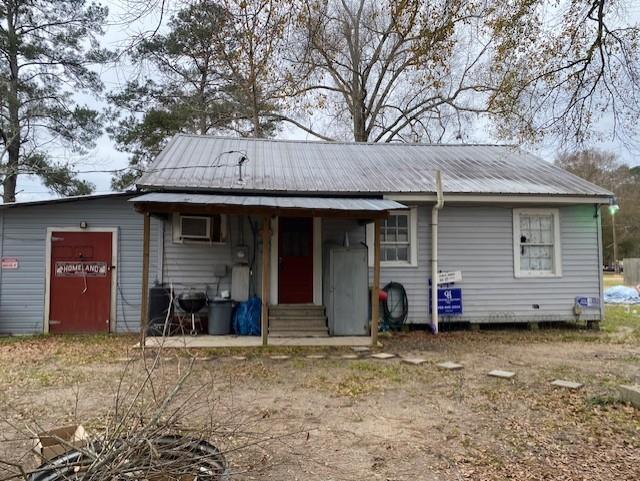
(253, 341)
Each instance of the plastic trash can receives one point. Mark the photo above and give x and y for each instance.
(220, 317)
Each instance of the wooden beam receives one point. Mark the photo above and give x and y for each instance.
(266, 256)
(144, 304)
(375, 291)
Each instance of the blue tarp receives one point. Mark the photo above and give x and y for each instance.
(621, 295)
(246, 318)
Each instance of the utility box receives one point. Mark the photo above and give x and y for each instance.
(240, 282)
(346, 285)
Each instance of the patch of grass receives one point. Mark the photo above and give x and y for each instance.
(359, 378)
(383, 371)
(610, 279)
(42, 376)
(622, 323)
(601, 400)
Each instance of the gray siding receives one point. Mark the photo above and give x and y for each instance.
(188, 266)
(479, 242)
(24, 232)
(413, 278)
(476, 240)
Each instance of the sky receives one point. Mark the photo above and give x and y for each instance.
(105, 157)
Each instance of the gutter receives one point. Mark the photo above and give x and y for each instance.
(434, 252)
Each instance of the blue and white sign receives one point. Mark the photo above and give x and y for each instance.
(449, 300)
(588, 302)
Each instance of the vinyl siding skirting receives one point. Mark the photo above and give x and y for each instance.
(477, 240)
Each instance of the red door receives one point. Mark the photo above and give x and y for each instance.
(295, 260)
(80, 283)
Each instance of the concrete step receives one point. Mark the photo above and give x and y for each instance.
(281, 318)
(296, 310)
(298, 333)
(300, 323)
(298, 327)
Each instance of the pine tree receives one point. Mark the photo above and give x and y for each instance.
(47, 48)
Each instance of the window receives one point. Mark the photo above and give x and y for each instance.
(536, 240)
(398, 239)
(394, 238)
(197, 228)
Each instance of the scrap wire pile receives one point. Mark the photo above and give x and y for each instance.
(164, 458)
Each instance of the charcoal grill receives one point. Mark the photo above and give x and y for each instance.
(191, 302)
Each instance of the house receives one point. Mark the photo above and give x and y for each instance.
(316, 228)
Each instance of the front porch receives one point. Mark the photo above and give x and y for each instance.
(301, 269)
(206, 341)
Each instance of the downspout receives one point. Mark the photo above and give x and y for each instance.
(434, 252)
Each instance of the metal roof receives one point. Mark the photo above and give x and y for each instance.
(60, 200)
(191, 162)
(319, 203)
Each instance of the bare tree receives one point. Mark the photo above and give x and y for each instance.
(572, 69)
(254, 59)
(394, 69)
(605, 169)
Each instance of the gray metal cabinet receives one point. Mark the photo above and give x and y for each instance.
(346, 290)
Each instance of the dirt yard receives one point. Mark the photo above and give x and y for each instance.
(355, 419)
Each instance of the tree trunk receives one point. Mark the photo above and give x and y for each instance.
(257, 130)
(13, 138)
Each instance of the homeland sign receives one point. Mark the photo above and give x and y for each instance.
(81, 269)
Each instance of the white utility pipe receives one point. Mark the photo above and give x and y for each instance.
(434, 252)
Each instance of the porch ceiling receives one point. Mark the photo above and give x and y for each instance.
(265, 205)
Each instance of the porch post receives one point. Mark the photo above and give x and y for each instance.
(375, 291)
(266, 275)
(144, 304)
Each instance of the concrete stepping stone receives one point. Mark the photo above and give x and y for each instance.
(630, 394)
(415, 361)
(316, 356)
(382, 355)
(202, 359)
(360, 349)
(450, 366)
(349, 356)
(280, 358)
(501, 374)
(239, 358)
(567, 384)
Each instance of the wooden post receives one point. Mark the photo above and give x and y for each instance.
(144, 304)
(375, 291)
(266, 256)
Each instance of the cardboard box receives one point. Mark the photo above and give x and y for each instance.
(59, 441)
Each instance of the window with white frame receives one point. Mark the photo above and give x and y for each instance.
(395, 244)
(536, 240)
(199, 229)
(398, 238)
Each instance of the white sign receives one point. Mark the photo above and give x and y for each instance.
(449, 277)
(81, 269)
(9, 263)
